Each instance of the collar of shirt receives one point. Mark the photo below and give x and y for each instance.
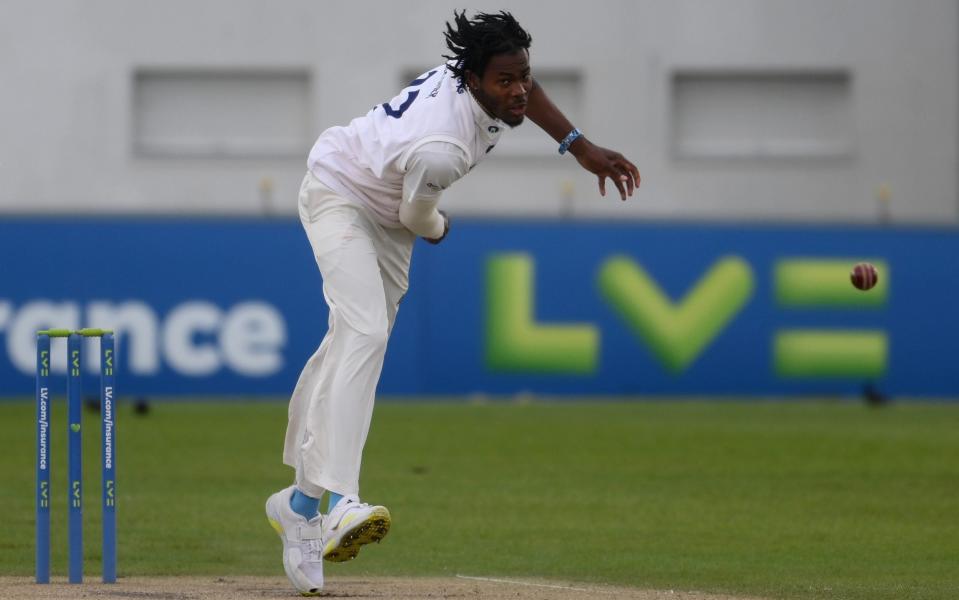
(489, 127)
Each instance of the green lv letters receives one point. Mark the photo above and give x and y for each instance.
(677, 333)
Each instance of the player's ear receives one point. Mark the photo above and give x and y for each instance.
(472, 80)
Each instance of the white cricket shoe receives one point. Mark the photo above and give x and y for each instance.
(302, 543)
(350, 525)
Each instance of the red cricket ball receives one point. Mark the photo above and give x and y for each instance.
(864, 276)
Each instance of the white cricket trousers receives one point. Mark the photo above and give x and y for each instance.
(365, 270)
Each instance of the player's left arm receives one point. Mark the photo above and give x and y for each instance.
(600, 161)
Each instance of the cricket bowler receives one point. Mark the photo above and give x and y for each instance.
(371, 188)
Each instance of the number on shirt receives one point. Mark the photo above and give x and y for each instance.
(410, 97)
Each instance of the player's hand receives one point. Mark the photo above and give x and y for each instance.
(604, 163)
(446, 229)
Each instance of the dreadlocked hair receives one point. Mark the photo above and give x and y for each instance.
(474, 41)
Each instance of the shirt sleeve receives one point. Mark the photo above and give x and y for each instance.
(431, 168)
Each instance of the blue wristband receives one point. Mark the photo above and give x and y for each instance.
(574, 135)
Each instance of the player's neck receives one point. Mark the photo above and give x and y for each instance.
(481, 105)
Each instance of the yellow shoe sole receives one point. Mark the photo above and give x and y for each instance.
(276, 526)
(373, 529)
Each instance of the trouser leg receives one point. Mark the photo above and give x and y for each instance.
(332, 405)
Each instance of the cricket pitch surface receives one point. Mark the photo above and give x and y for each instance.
(264, 588)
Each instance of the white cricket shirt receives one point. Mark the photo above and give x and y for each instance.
(433, 118)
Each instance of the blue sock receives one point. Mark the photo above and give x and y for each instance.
(304, 505)
(334, 498)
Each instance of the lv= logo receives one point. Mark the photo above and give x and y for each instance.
(678, 332)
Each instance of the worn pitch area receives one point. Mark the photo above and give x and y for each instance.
(261, 588)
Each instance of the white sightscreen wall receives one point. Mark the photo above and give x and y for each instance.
(762, 115)
(220, 113)
(740, 109)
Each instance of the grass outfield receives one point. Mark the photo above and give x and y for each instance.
(784, 500)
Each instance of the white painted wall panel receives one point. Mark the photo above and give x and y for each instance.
(68, 120)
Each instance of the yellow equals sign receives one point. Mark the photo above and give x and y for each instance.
(816, 283)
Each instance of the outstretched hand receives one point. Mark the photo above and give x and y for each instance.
(604, 163)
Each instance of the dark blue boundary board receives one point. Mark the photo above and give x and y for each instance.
(220, 292)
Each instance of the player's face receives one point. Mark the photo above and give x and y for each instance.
(504, 87)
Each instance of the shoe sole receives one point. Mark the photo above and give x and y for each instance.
(373, 529)
(275, 524)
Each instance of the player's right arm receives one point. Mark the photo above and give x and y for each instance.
(431, 168)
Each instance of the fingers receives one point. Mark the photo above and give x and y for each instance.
(633, 172)
(619, 181)
(622, 172)
(629, 174)
(628, 180)
(622, 182)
